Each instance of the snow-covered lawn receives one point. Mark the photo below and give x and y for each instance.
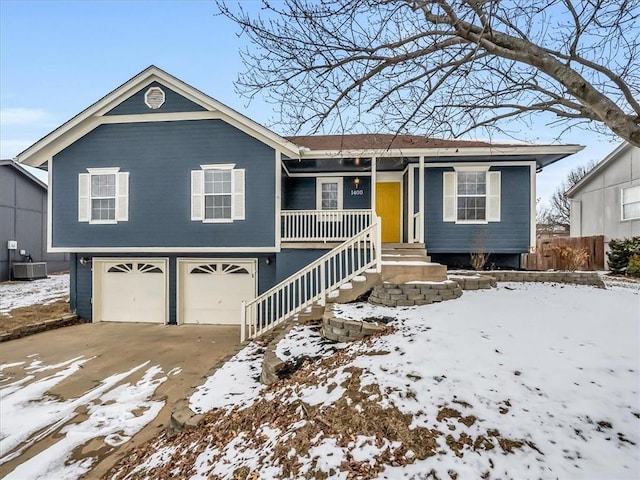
(37, 292)
(111, 412)
(525, 381)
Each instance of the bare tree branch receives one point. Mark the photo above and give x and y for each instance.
(444, 66)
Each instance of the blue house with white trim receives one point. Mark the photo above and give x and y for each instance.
(177, 209)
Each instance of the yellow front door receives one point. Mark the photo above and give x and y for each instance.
(388, 209)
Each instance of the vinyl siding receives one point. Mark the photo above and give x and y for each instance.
(159, 157)
(300, 193)
(23, 217)
(173, 102)
(510, 235)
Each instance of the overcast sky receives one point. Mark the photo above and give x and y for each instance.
(57, 58)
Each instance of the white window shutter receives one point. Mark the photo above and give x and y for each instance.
(493, 196)
(449, 197)
(237, 203)
(122, 200)
(84, 198)
(197, 200)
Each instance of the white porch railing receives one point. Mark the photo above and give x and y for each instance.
(312, 283)
(323, 225)
(417, 226)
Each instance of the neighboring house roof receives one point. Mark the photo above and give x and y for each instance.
(312, 146)
(608, 160)
(20, 169)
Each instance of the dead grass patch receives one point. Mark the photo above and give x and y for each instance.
(300, 427)
(33, 314)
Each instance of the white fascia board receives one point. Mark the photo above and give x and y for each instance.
(494, 150)
(75, 128)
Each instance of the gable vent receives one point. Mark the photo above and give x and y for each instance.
(154, 98)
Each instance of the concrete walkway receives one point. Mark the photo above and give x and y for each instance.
(194, 349)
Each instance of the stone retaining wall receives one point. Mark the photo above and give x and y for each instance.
(410, 294)
(341, 330)
(474, 282)
(575, 278)
(19, 332)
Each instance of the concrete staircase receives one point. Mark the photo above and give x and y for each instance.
(406, 262)
(347, 292)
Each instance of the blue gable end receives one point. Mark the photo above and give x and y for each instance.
(173, 102)
(159, 157)
(510, 235)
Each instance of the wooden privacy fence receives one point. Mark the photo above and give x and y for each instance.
(547, 256)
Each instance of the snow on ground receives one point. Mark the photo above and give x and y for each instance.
(237, 382)
(37, 292)
(115, 410)
(552, 368)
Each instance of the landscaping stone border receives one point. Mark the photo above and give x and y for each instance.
(341, 330)
(26, 330)
(474, 282)
(574, 278)
(415, 293)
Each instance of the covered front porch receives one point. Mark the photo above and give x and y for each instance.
(329, 200)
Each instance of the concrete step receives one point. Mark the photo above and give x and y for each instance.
(401, 272)
(355, 288)
(403, 245)
(396, 257)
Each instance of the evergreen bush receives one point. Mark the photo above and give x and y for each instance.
(633, 269)
(620, 253)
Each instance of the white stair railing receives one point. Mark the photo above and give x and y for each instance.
(323, 225)
(312, 283)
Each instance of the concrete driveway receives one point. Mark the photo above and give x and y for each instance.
(58, 383)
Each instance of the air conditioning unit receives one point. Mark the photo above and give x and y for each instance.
(29, 271)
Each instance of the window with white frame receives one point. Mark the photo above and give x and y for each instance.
(631, 203)
(103, 195)
(329, 193)
(471, 195)
(217, 193)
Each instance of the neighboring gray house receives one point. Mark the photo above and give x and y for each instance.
(23, 218)
(607, 199)
(177, 209)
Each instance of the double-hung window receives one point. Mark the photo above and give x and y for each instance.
(103, 195)
(471, 195)
(217, 193)
(631, 203)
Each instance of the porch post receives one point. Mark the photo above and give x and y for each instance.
(421, 199)
(373, 184)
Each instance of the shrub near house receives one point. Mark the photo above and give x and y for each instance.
(624, 256)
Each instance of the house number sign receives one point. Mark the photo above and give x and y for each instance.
(357, 192)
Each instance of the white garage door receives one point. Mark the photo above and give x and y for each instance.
(211, 291)
(130, 290)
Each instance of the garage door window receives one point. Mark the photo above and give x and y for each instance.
(134, 268)
(224, 268)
